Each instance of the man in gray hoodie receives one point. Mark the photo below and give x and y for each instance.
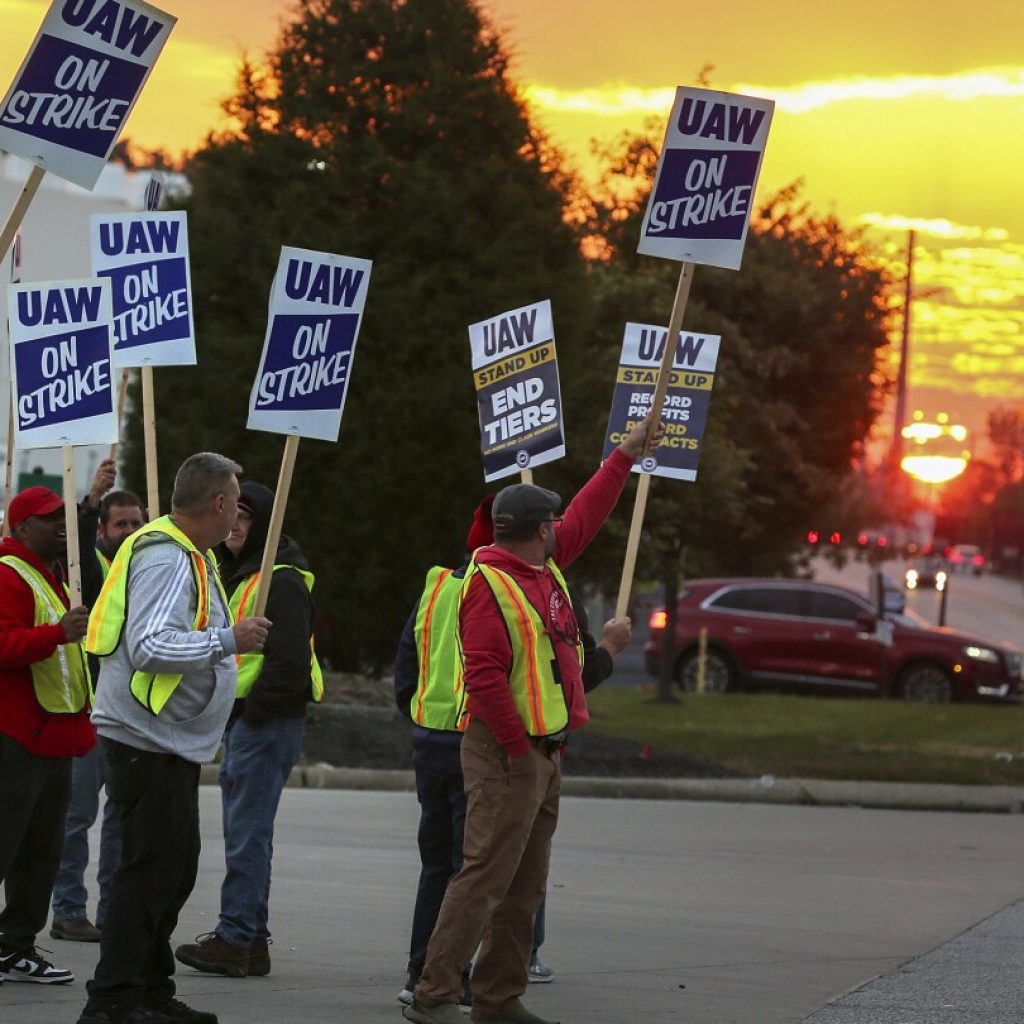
(167, 684)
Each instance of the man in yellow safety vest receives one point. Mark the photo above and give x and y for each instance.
(263, 738)
(522, 668)
(45, 695)
(163, 630)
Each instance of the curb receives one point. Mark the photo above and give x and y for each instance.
(812, 792)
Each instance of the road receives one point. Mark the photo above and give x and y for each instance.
(707, 913)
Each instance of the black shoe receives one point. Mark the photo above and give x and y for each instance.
(28, 965)
(112, 1015)
(174, 1011)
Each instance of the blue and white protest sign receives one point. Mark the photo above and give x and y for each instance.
(145, 257)
(685, 411)
(703, 193)
(515, 371)
(79, 82)
(316, 307)
(60, 361)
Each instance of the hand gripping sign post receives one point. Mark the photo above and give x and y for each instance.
(60, 367)
(145, 257)
(698, 212)
(515, 371)
(75, 90)
(316, 307)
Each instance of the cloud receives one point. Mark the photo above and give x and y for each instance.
(936, 227)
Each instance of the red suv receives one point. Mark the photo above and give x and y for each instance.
(806, 635)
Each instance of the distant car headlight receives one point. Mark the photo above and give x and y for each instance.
(940, 580)
(911, 579)
(981, 654)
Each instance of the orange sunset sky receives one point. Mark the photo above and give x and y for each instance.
(897, 114)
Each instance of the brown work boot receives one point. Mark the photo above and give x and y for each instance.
(443, 1013)
(75, 929)
(515, 1013)
(212, 954)
(259, 958)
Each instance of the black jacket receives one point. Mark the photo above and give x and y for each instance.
(283, 686)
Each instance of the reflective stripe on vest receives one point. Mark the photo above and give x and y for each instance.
(243, 606)
(104, 563)
(61, 682)
(106, 621)
(538, 697)
(438, 698)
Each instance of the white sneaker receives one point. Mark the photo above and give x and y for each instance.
(539, 973)
(31, 966)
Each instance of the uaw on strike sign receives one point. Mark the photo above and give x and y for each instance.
(316, 307)
(703, 193)
(79, 82)
(687, 399)
(515, 371)
(145, 257)
(60, 335)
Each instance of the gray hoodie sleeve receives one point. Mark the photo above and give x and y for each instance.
(161, 606)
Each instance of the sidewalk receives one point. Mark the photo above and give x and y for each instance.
(767, 789)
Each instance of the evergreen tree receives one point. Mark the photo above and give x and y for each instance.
(388, 130)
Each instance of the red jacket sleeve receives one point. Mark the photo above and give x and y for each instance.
(590, 508)
(487, 655)
(21, 643)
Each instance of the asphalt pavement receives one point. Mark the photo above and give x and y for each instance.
(658, 910)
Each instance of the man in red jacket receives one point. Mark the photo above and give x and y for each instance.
(522, 661)
(44, 722)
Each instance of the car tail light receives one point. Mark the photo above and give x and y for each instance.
(882, 542)
(835, 537)
(813, 537)
(978, 560)
(862, 539)
(659, 619)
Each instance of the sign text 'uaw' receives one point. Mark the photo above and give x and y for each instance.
(145, 258)
(703, 194)
(79, 82)
(60, 336)
(316, 307)
(515, 372)
(685, 412)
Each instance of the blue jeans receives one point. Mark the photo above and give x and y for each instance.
(88, 776)
(256, 765)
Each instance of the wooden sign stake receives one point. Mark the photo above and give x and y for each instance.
(284, 483)
(122, 395)
(149, 431)
(71, 525)
(675, 324)
(28, 193)
(526, 475)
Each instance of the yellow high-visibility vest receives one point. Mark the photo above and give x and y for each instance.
(243, 606)
(106, 621)
(438, 699)
(539, 698)
(61, 682)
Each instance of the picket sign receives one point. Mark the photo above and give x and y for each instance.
(657, 404)
(698, 212)
(153, 194)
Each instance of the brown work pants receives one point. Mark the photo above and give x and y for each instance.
(511, 813)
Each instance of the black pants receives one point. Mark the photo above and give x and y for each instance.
(157, 801)
(34, 794)
(442, 817)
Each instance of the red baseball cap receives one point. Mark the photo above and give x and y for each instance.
(33, 501)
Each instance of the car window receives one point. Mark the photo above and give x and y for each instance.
(824, 605)
(762, 600)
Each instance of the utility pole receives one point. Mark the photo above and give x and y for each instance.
(901, 380)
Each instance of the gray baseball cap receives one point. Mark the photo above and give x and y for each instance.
(522, 505)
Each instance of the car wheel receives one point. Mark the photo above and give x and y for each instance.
(927, 684)
(719, 673)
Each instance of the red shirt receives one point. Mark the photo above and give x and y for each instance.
(22, 644)
(485, 642)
